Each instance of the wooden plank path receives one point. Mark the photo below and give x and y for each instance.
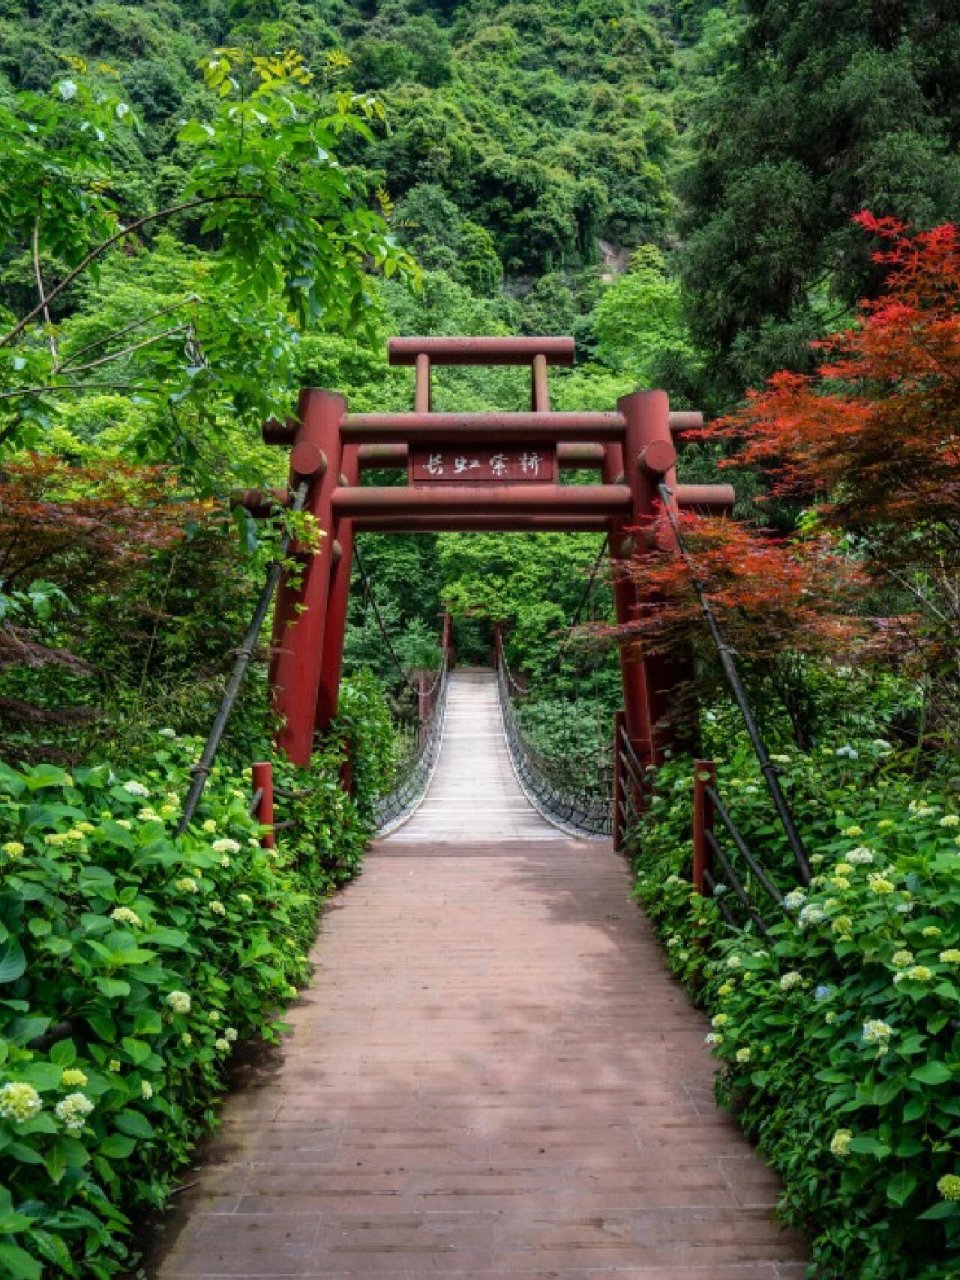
(492, 1074)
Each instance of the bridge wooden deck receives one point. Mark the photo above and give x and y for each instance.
(491, 1074)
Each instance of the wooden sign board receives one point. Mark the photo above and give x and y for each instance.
(483, 464)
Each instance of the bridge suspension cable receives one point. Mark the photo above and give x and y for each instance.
(381, 625)
(556, 662)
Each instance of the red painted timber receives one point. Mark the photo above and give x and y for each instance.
(492, 351)
(632, 669)
(334, 631)
(301, 607)
(388, 457)
(706, 499)
(648, 424)
(262, 775)
(507, 522)
(460, 428)
(452, 500)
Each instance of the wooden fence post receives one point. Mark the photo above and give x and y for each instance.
(704, 779)
(262, 773)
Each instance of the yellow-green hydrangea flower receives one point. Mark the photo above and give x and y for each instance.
(840, 1143)
(879, 883)
(19, 1101)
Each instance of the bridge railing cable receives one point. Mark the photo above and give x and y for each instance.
(576, 812)
(768, 769)
(632, 790)
(201, 770)
(413, 773)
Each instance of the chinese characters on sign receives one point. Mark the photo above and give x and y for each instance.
(488, 464)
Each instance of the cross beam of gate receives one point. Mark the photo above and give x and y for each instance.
(462, 475)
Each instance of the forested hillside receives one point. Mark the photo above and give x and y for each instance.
(207, 205)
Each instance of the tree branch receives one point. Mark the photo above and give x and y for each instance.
(100, 249)
(129, 328)
(118, 355)
(73, 386)
(38, 275)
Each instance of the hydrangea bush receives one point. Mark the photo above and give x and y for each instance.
(839, 1034)
(132, 963)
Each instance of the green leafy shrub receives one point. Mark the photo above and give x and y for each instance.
(839, 1033)
(132, 962)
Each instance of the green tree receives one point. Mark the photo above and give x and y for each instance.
(288, 239)
(821, 114)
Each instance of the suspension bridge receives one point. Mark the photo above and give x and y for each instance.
(492, 1072)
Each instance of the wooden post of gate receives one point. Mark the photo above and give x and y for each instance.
(262, 774)
(619, 726)
(338, 600)
(704, 779)
(636, 711)
(302, 599)
(650, 457)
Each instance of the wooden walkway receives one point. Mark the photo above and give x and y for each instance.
(491, 1075)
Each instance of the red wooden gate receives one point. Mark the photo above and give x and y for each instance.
(474, 471)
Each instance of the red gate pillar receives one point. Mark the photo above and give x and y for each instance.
(335, 626)
(649, 458)
(302, 598)
(632, 674)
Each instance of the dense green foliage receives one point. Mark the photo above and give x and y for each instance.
(837, 1034)
(133, 962)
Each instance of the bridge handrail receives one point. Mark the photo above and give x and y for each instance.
(578, 813)
(413, 773)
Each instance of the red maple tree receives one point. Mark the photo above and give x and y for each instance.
(870, 444)
(871, 441)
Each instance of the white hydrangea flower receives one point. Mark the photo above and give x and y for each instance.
(222, 1044)
(73, 1111)
(73, 1078)
(146, 1089)
(225, 845)
(123, 915)
(135, 788)
(950, 820)
(179, 1001)
(811, 914)
(186, 884)
(860, 857)
(167, 733)
(230, 1034)
(794, 900)
(218, 908)
(791, 980)
(876, 1031)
